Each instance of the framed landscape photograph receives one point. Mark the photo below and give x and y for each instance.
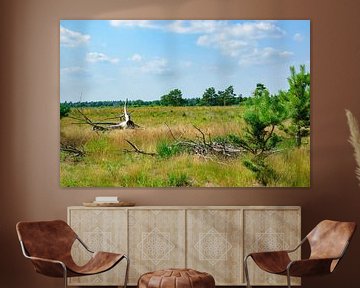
(185, 103)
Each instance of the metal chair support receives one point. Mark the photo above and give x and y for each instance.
(246, 269)
(42, 239)
(325, 254)
(127, 271)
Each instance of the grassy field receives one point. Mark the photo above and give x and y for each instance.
(106, 164)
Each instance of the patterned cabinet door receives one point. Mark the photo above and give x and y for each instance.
(156, 240)
(101, 230)
(214, 244)
(269, 230)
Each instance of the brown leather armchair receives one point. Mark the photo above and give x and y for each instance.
(48, 245)
(328, 242)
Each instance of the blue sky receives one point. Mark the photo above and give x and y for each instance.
(145, 59)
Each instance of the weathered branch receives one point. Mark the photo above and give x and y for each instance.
(137, 150)
(171, 133)
(96, 126)
(203, 135)
(72, 149)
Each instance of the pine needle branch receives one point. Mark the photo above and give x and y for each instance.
(354, 140)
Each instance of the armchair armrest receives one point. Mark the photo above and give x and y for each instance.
(298, 246)
(308, 267)
(49, 267)
(279, 252)
(83, 244)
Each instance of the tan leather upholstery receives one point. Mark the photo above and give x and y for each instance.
(176, 278)
(328, 239)
(52, 240)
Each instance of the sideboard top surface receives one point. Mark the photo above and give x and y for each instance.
(193, 207)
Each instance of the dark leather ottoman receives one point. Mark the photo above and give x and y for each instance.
(176, 278)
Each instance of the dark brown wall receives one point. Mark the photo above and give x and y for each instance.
(29, 125)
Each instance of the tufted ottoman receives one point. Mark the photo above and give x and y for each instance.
(176, 278)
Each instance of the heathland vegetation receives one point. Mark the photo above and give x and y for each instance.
(220, 139)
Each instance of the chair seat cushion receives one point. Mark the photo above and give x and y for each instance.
(176, 278)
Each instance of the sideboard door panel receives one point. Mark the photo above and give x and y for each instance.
(269, 230)
(209, 239)
(214, 244)
(101, 230)
(156, 240)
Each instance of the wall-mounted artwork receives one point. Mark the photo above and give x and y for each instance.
(184, 103)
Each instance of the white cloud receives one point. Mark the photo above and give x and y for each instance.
(227, 45)
(241, 40)
(298, 37)
(195, 26)
(155, 66)
(133, 23)
(257, 30)
(264, 55)
(94, 57)
(136, 58)
(71, 38)
(252, 30)
(249, 30)
(72, 69)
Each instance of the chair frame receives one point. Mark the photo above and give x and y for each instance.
(26, 255)
(305, 239)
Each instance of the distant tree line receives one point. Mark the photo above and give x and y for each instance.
(211, 97)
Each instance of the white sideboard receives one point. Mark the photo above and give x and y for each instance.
(211, 239)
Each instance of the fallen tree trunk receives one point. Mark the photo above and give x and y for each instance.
(205, 146)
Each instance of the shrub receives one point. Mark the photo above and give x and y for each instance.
(166, 150)
(179, 180)
(64, 109)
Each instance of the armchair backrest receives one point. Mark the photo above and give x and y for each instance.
(46, 239)
(329, 239)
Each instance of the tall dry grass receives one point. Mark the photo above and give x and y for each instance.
(106, 164)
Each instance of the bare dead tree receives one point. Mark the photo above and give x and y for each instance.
(127, 123)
